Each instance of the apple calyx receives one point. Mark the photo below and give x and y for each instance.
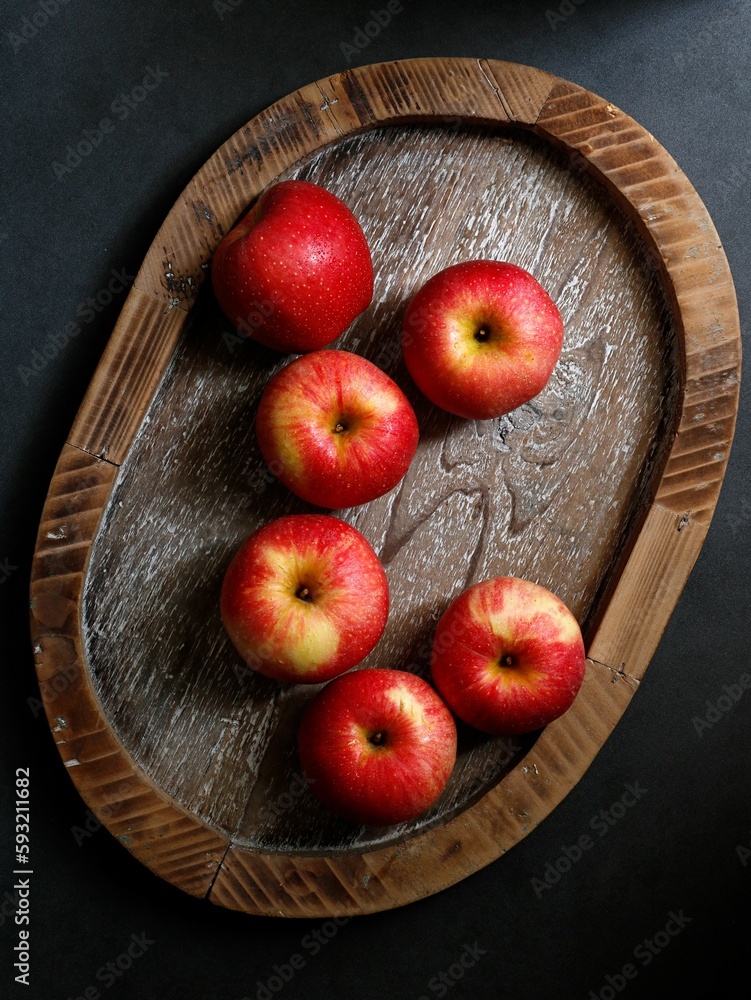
(378, 739)
(486, 333)
(507, 661)
(303, 594)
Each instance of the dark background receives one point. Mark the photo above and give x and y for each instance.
(682, 69)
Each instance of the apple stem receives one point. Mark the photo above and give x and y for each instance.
(339, 428)
(507, 661)
(482, 334)
(378, 739)
(303, 593)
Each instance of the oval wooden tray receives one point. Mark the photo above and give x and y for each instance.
(601, 489)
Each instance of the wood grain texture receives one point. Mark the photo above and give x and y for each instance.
(475, 503)
(615, 470)
(142, 817)
(115, 402)
(675, 226)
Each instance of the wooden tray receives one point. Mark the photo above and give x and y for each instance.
(601, 489)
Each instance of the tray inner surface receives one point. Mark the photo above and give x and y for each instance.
(549, 492)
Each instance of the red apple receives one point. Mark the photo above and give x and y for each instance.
(377, 746)
(481, 338)
(296, 270)
(335, 429)
(508, 656)
(305, 598)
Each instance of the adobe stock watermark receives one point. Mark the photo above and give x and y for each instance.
(311, 944)
(724, 703)
(600, 824)
(113, 970)
(92, 824)
(736, 177)
(224, 7)
(9, 906)
(286, 800)
(255, 659)
(565, 10)
(364, 35)
(644, 954)
(440, 645)
(260, 311)
(33, 23)
(7, 569)
(503, 753)
(86, 311)
(720, 27)
(439, 986)
(744, 852)
(264, 476)
(51, 688)
(740, 518)
(388, 355)
(121, 107)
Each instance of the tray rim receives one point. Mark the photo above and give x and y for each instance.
(671, 219)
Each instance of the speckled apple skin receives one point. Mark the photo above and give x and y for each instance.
(481, 379)
(377, 785)
(500, 618)
(335, 627)
(296, 270)
(299, 411)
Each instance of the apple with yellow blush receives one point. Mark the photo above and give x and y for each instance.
(335, 429)
(481, 338)
(508, 656)
(304, 598)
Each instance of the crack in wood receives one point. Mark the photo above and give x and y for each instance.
(100, 457)
(220, 865)
(619, 672)
(328, 107)
(493, 84)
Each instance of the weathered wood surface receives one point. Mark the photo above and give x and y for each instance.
(167, 840)
(548, 493)
(602, 489)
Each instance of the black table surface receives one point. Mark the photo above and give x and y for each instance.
(660, 902)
